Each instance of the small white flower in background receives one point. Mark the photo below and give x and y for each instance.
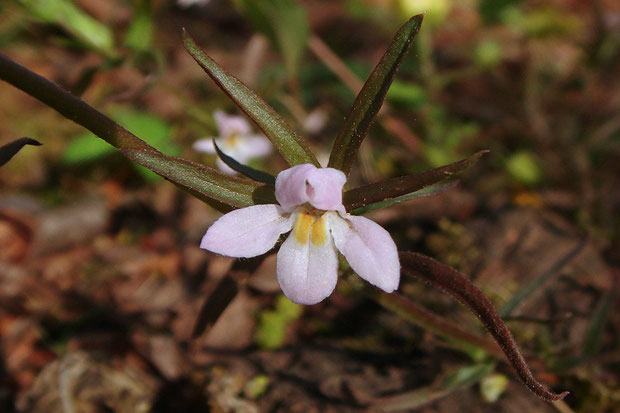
(189, 3)
(315, 121)
(310, 204)
(235, 140)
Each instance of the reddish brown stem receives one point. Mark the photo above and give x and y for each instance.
(460, 287)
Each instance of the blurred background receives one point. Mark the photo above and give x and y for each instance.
(101, 278)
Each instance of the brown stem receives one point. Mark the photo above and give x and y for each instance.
(460, 287)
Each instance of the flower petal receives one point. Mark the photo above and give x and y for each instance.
(247, 232)
(253, 146)
(308, 270)
(325, 188)
(231, 125)
(368, 248)
(321, 187)
(204, 145)
(291, 185)
(221, 165)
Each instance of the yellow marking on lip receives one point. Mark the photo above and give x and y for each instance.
(232, 141)
(302, 227)
(318, 234)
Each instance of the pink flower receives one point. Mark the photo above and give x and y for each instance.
(310, 204)
(235, 140)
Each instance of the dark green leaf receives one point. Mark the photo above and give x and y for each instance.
(203, 180)
(274, 127)
(371, 97)
(461, 288)
(250, 172)
(404, 185)
(10, 149)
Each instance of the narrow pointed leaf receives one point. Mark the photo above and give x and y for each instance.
(537, 283)
(462, 378)
(461, 288)
(248, 171)
(215, 304)
(284, 138)
(224, 292)
(203, 180)
(593, 338)
(428, 191)
(68, 105)
(371, 97)
(404, 185)
(10, 149)
(213, 187)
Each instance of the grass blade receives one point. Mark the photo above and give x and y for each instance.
(538, 282)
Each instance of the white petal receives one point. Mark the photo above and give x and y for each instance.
(307, 272)
(291, 186)
(321, 187)
(247, 232)
(254, 146)
(221, 165)
(325, 188)
(204, 145)
(368, 248)
(231, 125)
